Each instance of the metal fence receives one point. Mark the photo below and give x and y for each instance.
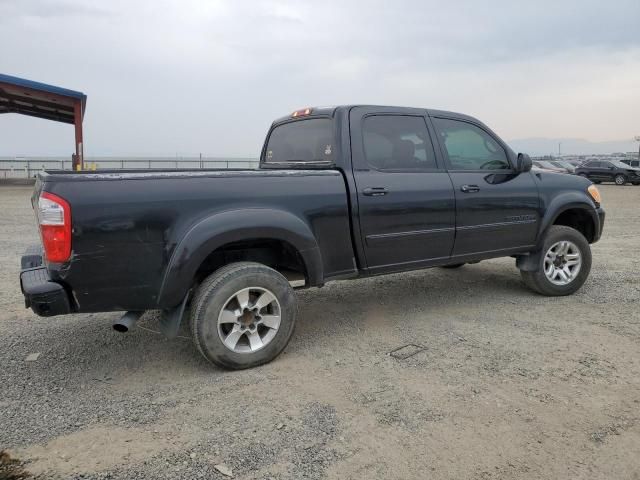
(23, 167)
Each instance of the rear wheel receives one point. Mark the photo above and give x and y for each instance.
(620, 179)
(243, 315)
(565, 263)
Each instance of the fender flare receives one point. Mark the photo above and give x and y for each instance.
(559, 205)
(562, 203)
(230, 226)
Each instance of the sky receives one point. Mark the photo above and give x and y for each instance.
(187, 77)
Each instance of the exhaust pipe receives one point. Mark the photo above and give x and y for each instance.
(127, 322)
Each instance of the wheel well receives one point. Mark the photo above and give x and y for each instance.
(577, 219)
(277, 254)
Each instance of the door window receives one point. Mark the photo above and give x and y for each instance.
(469, 147)
(397, 143)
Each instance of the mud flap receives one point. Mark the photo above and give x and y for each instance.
(170, 320)
(530, 262)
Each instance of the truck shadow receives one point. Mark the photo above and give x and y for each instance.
(106, 355)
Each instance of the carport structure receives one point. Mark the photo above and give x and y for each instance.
(26, 97)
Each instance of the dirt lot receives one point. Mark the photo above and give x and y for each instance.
(509, 384)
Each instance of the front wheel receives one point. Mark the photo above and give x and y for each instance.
(565, 263)
(243, 315)
(620, 179)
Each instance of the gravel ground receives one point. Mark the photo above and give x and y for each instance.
(503, 383)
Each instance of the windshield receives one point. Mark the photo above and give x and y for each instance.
(619, 164)
(302, 141)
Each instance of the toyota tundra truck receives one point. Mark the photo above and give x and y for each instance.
(341, 193)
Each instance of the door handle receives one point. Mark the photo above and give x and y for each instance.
(470, 188)
(375, 191)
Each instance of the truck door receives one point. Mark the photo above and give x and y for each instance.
(405, 198)
(496, 207)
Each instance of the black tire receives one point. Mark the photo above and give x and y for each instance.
(454, 265)
(597, 182)
(212, 296)
(620, 180)
(538, 281)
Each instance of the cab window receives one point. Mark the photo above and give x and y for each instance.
(469, 147)
(301, 141)
(397, 143)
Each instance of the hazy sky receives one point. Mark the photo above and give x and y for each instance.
(209, 76)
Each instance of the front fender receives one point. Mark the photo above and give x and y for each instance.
(232, 226)
(562, 203)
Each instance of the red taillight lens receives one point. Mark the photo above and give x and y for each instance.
(54, 218)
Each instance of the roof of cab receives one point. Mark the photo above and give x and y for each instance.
(331, 111)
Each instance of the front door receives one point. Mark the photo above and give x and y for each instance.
(497, 208)
(405, 198)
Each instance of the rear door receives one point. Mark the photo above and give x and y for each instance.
(405, 197)
(496, 207)
(595, 171)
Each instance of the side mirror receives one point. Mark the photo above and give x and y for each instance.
(524, 163)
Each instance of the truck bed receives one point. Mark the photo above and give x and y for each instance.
(129, 224)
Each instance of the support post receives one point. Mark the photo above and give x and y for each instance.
(78, 160)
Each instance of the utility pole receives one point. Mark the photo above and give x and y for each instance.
(637, 139)
(559, 151)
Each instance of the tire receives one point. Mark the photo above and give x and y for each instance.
(219, 297)
(454, 265)
(597, 182)
(620, 179)
(540, 282)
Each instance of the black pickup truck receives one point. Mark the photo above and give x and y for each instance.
(341, 193)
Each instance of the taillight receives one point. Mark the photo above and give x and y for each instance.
(54, 219)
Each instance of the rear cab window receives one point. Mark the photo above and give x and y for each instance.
(304, 143)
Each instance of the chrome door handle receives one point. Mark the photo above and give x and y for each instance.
(470, 188)
(375, 191)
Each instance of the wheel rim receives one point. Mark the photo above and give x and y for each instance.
(562, 262)
(619, 180)
(249, 320)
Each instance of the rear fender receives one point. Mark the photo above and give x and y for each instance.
(230, 226)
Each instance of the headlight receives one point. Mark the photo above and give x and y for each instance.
(595, 193)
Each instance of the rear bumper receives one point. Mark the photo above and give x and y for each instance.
(44, 296)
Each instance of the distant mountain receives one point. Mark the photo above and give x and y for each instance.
(570, 146)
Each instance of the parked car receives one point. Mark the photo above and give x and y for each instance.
(548, 166)
(609, 171)
(569, 168)
(341, 193)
